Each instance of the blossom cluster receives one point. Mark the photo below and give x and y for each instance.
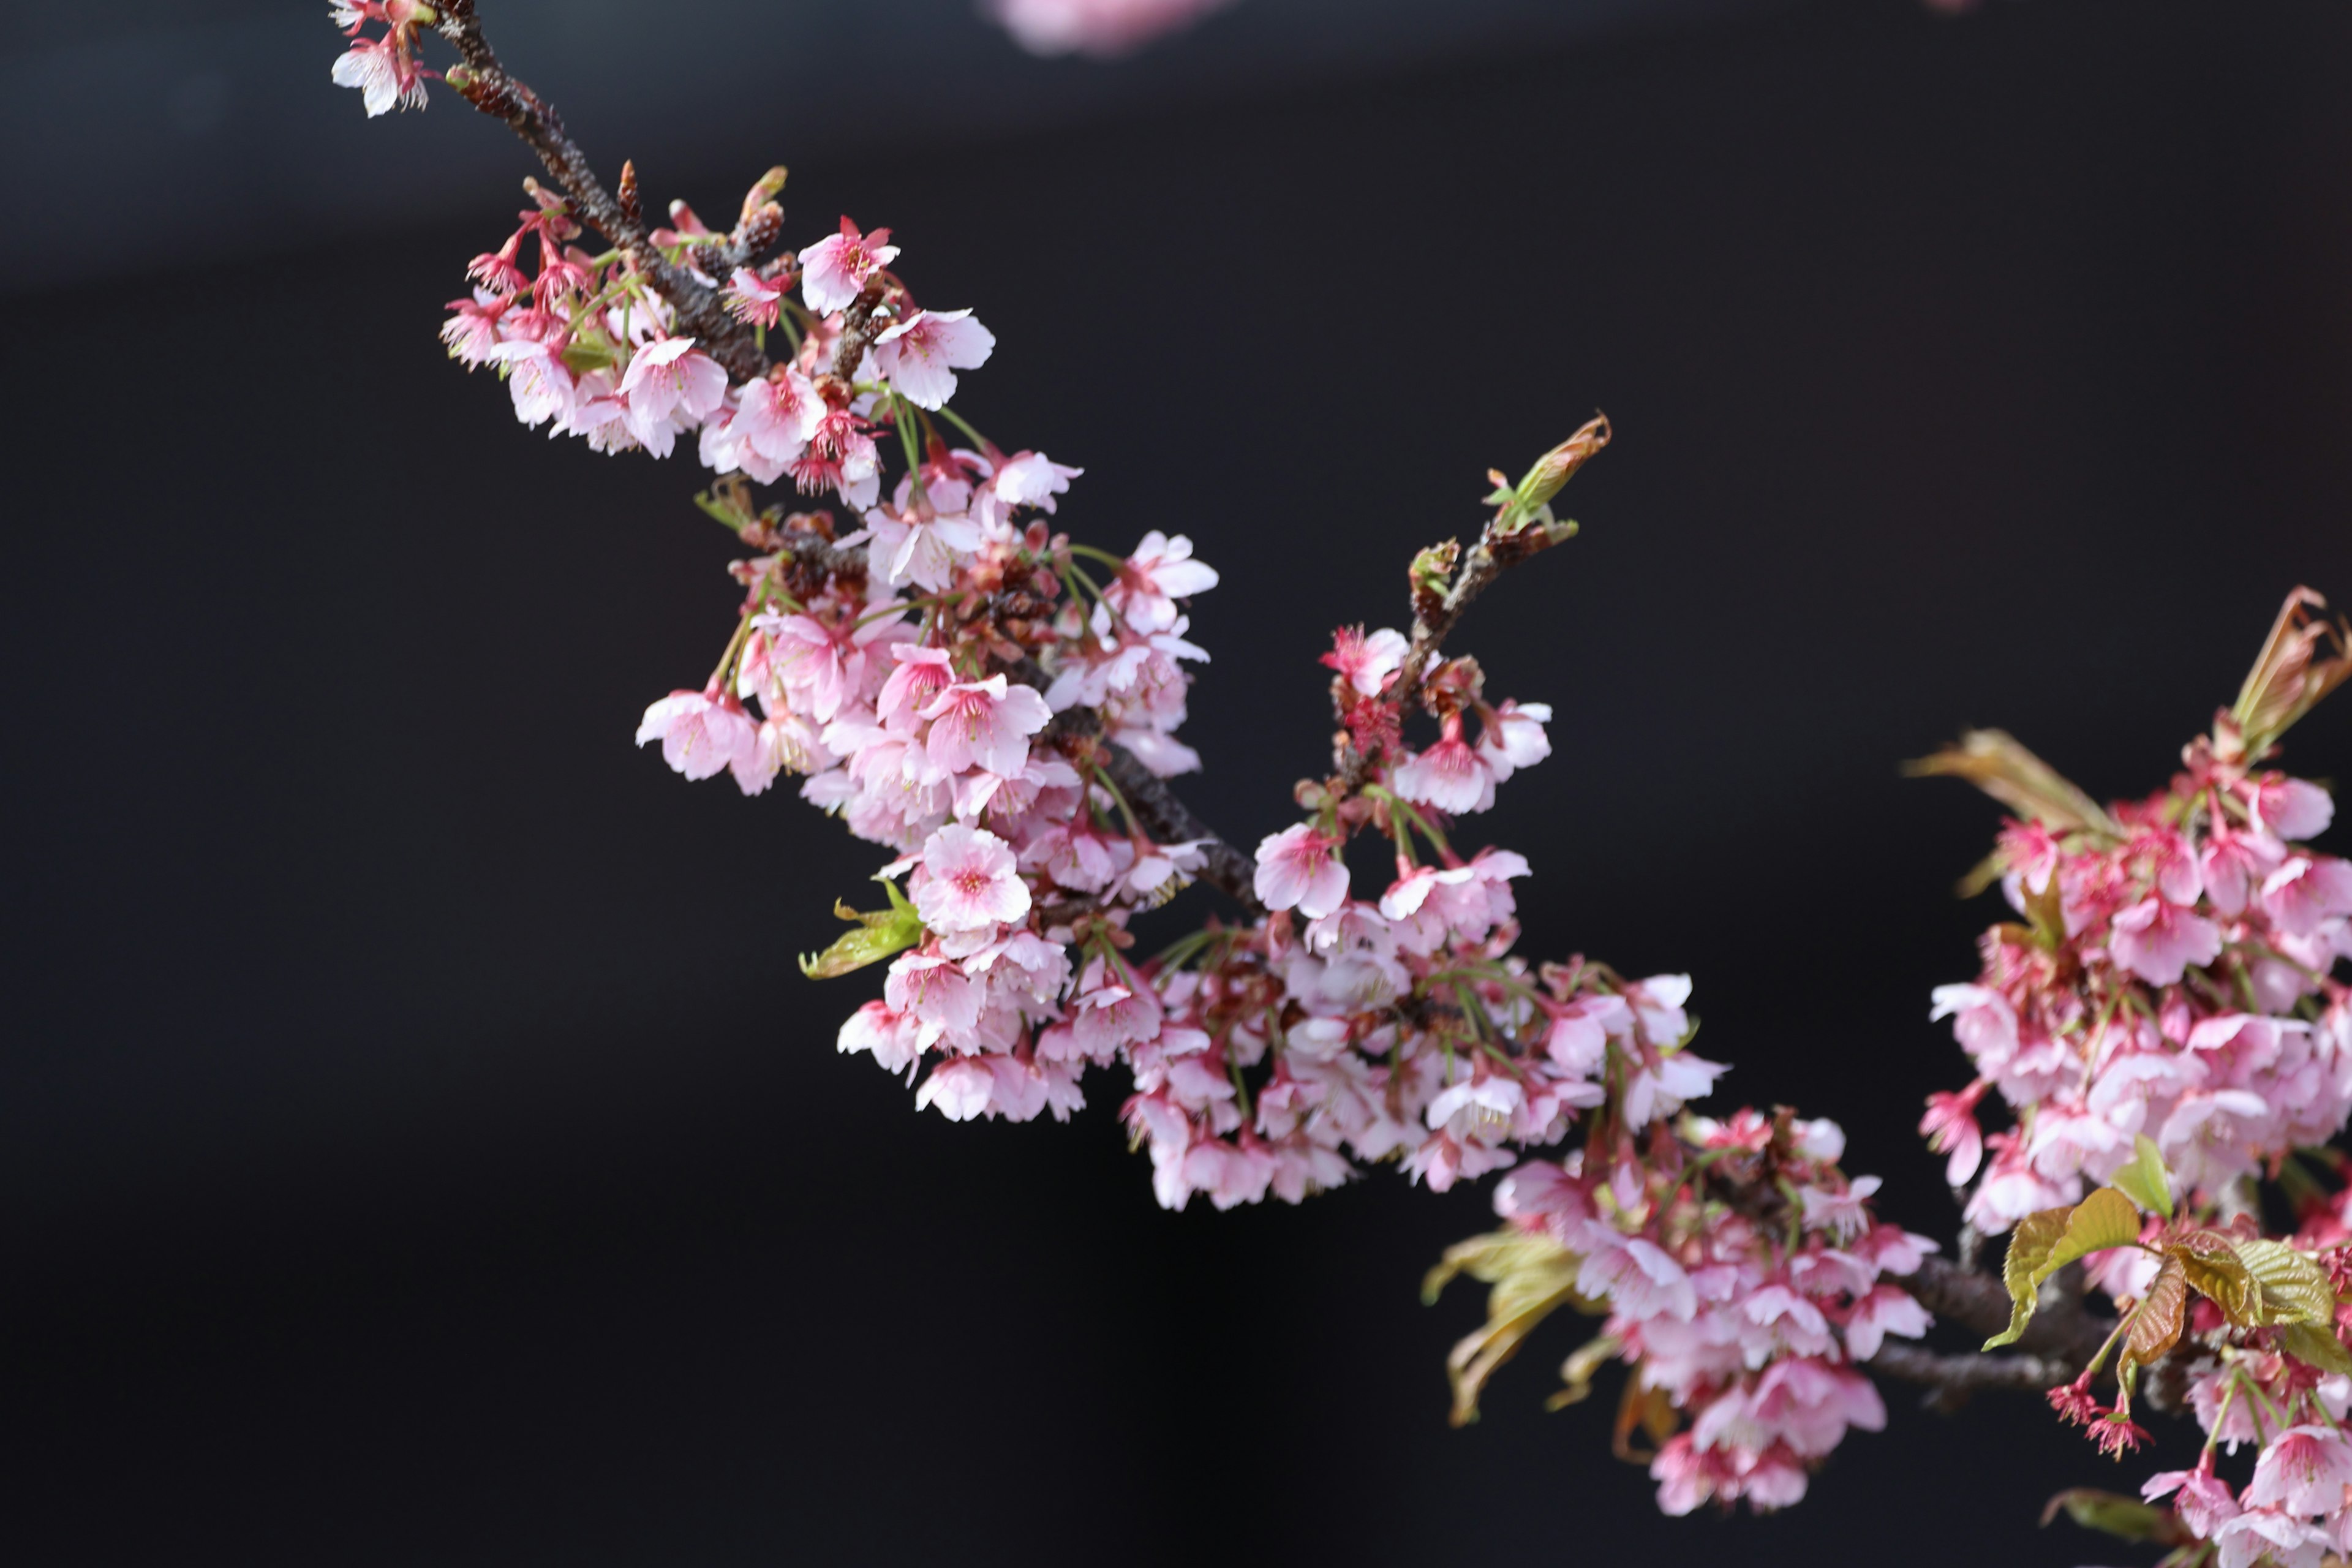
(2294, 1509)
(1744, 1316)
(2171, 976)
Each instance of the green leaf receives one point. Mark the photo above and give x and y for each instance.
(2028, 1245)
(2292, 1288)
(1533, 1277)
(877, 937)
(2157, 1321)
(2105, 1219)
(2146, 1181)
(2214, 1272)
(2128, 1518)
(1576, 1371)
(2046, 1242)
(2315, 1346)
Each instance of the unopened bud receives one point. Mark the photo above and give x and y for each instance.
(626, 193)
(461, 78)
(763, 191)
(759, 229)
(1557, 467)
(1431, 573)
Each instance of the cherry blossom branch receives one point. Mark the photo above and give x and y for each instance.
(1442, 592)
(489, 87)
(1980, 1302)
(1950, 1375)
(1157, 806)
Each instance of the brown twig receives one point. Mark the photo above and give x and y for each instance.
(2065, 1335)
(489, 87)
(1951, 1377)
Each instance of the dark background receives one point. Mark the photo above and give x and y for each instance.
(416, 1145)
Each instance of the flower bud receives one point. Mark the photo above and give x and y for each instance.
(763, 191)
(1557, 467)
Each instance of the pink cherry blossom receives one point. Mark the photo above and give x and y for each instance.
(1885, 1311)
(771, 424)
(542, 389)
(2205, 1503)
(836, 269)
(1031, 479)
(2303, 1470)
(1296, 870)
(701, 732)
(752, 298)
(1451, 774)
(1514, 738)
(1367, 663)
(387, 77)
(1950, 1127)
(984, 724)
(921, 354)
(1101, 27)
(1160, 572)
(969, 882)
(2158, 941)
(2289, 808)
(2306, 890)
(961, 1087)
(670, 383)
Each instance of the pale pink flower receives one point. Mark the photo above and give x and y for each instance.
(1581, 1030)
(935, 992)
(752, 298)
(1296, 870)
(1099, 27)
(542, 389)
(2234, 863)
(1687, 1474)
(962, 1087)
(1477, 1106)
(886, 1035)
(919, 675)
(2159, 942)
(1818, 1137)
(921, 354)
(970, 881)
(1842, 1214)
(1639, 1280)
(1451, 775)
(671, 384)
(472, 329)
(834, 271)
(1886, 1309)
(2306, 890)
(1659, 1006)
(1950, 1127)
(771, 424)
(1367, 663)
(1032, 479)
(1514, 738)
(984, 724)
(701, 732)
(2205, 1503)
(1161, 571)
(920, 547)
(840, 455)
(385, 75)
(2269, 1537)
(2291, 808)
(2304, 1470)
